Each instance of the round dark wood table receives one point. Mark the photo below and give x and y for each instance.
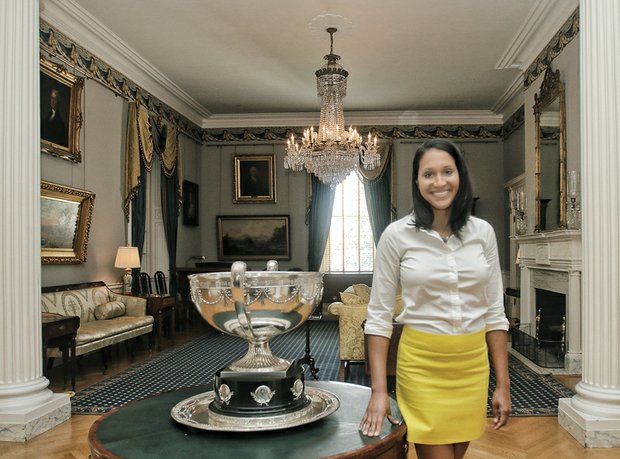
(145, 429)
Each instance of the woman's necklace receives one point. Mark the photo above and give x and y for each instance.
(445, 234)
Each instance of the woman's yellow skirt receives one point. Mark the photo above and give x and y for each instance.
(441, 386)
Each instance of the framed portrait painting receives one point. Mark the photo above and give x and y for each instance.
(61, 113)
(190, 203)
(254, 178)
(66, 215)
(257, 237)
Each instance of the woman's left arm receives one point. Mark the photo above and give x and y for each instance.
(498, 347)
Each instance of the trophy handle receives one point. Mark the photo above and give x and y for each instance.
(237, 278)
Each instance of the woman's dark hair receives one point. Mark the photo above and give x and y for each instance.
(461, 206)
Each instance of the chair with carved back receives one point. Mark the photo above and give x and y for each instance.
(161, 287)
(144, 284)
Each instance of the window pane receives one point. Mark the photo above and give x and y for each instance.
(350, 244)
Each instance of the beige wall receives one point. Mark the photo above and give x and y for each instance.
(101, 171)
(217, 198)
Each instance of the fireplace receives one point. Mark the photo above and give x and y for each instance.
(545, 342)
(550, 299)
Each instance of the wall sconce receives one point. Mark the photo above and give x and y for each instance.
(127, 258)
(517, 208)
(573, 219)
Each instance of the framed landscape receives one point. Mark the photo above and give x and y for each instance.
(257, 237)
(66, 215)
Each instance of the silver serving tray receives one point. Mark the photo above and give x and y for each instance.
(194, 412)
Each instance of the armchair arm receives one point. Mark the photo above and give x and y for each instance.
(135, 305)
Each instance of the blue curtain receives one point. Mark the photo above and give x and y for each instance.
(170, 212)
(319, 221)
(378, 190)
(138, 222)
(169, 200)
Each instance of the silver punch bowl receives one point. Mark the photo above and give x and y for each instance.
(260, 391)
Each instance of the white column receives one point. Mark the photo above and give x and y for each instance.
(27, 407)
(593, 415)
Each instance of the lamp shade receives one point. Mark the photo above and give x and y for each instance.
(127, 257)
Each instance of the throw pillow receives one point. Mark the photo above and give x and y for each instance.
(110, 310)
(351, 298)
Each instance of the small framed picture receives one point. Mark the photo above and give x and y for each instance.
(66, 214)
(255, 178)
(61, 113)
(190, 203)
(257, 237)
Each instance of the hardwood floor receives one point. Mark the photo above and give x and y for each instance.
(524, 437)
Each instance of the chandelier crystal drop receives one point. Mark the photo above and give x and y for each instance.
(331, 153)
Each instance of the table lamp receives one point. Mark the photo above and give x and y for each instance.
(127, 258)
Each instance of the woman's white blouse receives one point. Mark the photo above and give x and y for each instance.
(449, 288)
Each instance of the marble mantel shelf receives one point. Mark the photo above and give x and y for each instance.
(559, 250)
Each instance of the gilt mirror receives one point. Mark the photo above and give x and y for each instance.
(550, 184)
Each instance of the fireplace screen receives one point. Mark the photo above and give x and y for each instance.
(544, 342)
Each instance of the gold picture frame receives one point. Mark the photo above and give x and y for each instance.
(66, 215)
(254, 179)
(61, 111)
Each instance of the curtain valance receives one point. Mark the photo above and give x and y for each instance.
(145, 137)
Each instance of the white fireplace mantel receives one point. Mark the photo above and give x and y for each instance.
(552, 260)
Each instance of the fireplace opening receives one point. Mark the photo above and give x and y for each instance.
(550, 316)
(544, 342)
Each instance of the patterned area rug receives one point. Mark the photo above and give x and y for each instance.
(195, 362)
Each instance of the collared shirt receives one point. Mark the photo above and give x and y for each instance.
(450, 288)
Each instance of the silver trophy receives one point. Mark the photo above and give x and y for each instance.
(260, 391)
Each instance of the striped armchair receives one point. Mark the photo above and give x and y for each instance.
(352, 311)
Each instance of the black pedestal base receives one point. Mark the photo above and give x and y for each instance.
(254, 394)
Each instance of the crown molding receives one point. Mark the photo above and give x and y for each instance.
(79, 25)
(541, 24)
(377, 118)
(511, 93)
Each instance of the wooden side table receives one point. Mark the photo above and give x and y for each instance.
(60, 332)
(161, 307)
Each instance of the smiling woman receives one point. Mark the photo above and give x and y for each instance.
(446, 265)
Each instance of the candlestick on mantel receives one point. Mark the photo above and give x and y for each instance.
(572, 184)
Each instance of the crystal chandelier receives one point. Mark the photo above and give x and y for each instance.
(331, 153)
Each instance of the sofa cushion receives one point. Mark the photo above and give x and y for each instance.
(110, 310)
(79, 302)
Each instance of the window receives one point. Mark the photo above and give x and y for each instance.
(350, 246)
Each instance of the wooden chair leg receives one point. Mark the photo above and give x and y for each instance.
(343, 365)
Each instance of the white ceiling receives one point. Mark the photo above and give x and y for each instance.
(253, 60)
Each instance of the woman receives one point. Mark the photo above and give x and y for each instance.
(447, 264)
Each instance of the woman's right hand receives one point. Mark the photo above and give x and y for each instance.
(378, 409)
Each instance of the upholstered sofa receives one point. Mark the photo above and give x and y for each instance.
(352, 311)
(106, 317)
